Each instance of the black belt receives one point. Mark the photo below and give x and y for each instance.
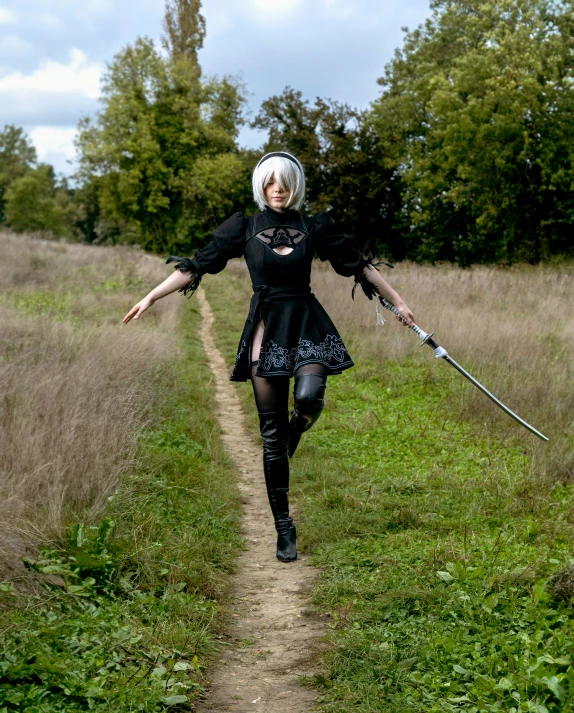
(264, 294)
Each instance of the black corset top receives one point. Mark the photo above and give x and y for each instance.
(269, 230)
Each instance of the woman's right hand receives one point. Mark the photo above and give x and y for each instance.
(137, 310)
(406, 317)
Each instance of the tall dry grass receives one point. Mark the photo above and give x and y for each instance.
(75, 384)
(512, 327)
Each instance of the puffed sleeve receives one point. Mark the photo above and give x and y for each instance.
(333, 244)
(228, 241)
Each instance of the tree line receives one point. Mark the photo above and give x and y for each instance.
(466, 155)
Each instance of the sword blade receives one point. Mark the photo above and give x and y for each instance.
(441, 353)
(492, 397)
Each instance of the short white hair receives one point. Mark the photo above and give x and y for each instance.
(287, 171)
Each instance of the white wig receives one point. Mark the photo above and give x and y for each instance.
(287, 171)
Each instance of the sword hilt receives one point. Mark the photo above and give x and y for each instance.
(425, 338)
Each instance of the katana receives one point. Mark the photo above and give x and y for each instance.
(441, 353)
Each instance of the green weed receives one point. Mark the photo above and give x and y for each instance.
(44, 302)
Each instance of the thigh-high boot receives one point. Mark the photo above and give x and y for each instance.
(308, 393)
(274, 427)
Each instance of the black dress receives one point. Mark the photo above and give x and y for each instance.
(297, 330)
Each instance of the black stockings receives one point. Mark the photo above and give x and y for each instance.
(272, 395)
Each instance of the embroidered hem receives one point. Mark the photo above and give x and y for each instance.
(275, 360)
(331, 351)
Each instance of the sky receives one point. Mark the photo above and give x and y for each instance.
(53, 52)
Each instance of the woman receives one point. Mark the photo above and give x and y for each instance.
(287, 332)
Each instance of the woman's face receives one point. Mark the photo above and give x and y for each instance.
(276, 196)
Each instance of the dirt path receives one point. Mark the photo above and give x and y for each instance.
(273, 636)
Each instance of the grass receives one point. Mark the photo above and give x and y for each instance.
(118, 602)
(75, 387)
(442, 530)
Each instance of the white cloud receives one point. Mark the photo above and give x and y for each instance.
(55, 146)
(7, 17)
(78, 76)
(54, 140)
(274, 9)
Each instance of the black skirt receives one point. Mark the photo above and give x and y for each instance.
(297, 331)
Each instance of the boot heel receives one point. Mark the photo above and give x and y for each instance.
(286, 542)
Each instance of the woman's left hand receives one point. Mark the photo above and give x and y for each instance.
(407, 318)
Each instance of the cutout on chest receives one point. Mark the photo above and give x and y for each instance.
(281, 236)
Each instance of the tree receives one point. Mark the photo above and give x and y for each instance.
(130, 145)
(17, 156)
(35, 201)
(343, 163)
(184, 29)
(477, 116)
(160, 129)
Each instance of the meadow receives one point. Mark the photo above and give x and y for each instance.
(443, 529)
(119, 511)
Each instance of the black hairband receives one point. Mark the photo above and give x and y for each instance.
(279, 153)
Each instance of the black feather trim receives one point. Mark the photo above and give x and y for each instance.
(186, 264)
(366, 285)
